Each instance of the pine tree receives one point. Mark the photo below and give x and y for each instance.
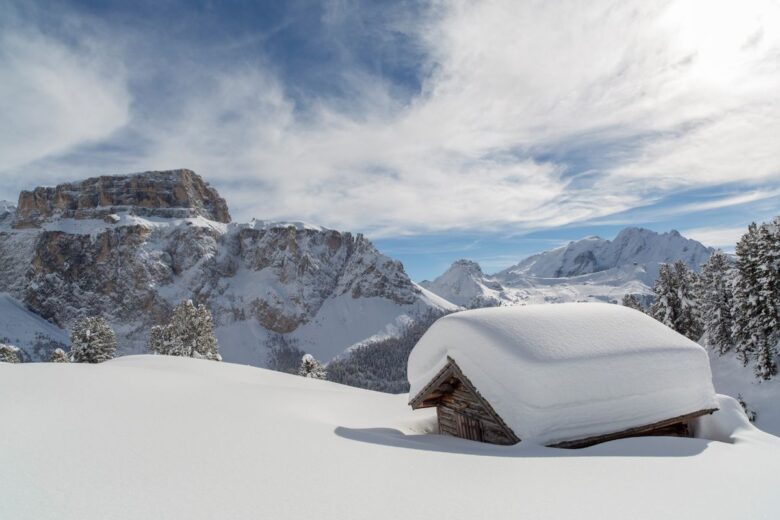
(632, 302)
(716, 295)
(283, 354)
(310, 367)
(769, 297)
(58, 356)
(688, 321)
(675, 302)
(9, 354)
(666, 307)
(92, 341)
(756, 298)
(190, 333)
(744, 299)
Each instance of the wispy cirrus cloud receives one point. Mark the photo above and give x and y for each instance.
(55, 96)
(504, 114)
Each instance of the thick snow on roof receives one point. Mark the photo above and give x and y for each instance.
(568, 371)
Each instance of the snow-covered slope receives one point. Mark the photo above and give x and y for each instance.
(466, 285)
(28, 331)
(183, 439)
(761, 397)
(590, 269)
(131, 247)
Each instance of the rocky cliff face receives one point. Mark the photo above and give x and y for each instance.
(89, 248)
(175, 193)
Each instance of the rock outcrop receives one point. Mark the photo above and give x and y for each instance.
(173, 193)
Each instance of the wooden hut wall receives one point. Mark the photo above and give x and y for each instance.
(462, 414)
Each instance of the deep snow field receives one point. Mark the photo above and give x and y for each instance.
(153, 437)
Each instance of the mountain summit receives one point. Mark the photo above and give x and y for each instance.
(591, 268)
(174, 193)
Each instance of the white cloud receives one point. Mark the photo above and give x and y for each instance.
(54, 96)
(725, 238)
(684, 90)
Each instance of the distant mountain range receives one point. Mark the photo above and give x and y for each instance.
(590, 269)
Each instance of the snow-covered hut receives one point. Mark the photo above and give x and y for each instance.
(567, 375)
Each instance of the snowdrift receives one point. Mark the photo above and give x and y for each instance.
(569, 371)
(185, 439)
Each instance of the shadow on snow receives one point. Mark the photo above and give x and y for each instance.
(632, 447)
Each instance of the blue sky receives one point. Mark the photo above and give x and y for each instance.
(487, 130)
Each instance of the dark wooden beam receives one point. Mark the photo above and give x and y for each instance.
(639, 431)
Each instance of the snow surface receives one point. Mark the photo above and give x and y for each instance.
(176, 438)
(26, 329)
(93, 227)
(569, 371)
(762, 397)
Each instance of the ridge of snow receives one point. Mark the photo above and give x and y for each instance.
(297, 224)
(94, 227)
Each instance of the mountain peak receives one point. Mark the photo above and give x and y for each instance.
(169, 193)
(468, 266)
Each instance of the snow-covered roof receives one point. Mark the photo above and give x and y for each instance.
(567, 371)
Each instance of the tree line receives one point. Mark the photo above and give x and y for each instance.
(733, 304)
(189, 333)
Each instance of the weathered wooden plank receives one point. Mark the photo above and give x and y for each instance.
(679, 424)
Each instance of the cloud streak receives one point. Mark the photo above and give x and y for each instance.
(53, 96)
(655, 98)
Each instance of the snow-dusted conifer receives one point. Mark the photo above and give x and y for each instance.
(675, 299)
(9, 354)
(310, 367)
(58, 356)
(666, 307)
(755, 330)
(92, 341)
(716, 295)
(769, 280)
(632, 302)
(190, 333)
(745, 286)
(688, 322)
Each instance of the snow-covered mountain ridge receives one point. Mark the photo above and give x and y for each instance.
(130, 247)
(590, 269)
